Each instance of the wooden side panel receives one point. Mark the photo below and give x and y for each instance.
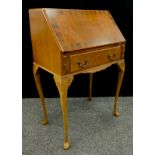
(45, 50)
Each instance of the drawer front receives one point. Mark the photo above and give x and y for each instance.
(86, 60)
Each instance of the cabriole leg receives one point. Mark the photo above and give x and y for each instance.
(40, 92)
(63, 84)
(121, 68)
(90, 86)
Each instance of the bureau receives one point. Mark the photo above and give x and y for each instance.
(67, 42)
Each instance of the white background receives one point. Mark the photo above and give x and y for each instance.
(11, 77)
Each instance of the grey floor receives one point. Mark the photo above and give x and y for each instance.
(92, 128)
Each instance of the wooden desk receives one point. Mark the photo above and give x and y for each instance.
(67, 42)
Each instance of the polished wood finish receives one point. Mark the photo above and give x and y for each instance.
(45, 50)
(67, 42)
(61, 44)
(72, 28)
(90, 59)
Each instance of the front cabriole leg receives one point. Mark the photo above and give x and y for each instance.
(63, 84)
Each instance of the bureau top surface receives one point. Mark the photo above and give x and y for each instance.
(82, 29)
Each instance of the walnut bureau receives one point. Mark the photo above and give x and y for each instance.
(67, 42)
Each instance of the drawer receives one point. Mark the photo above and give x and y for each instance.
(90, 59)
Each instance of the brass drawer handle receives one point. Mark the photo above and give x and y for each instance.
(111, 57)
(83, 64)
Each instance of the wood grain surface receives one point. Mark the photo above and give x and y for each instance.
(82, 29)
(63, 40)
